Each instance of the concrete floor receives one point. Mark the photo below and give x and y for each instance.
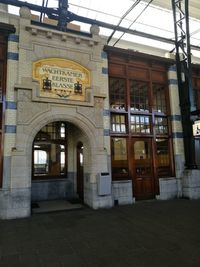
(152, 233)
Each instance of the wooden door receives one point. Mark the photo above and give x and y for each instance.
(142, 168)
(80, 170)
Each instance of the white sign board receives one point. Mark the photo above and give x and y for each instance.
(196, 128)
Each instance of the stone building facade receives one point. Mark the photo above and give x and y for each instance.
(27, 112)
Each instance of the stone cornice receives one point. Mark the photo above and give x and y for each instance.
(63, 36)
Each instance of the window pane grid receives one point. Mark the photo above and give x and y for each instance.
(161, 125)
(163, 158)
(118, 123)
(140, 124)
(50, 151)
(53, 131)
(159, 101)
(139, 96)
(117, 93)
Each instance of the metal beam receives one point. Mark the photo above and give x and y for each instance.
(63, 14)
(184, 75)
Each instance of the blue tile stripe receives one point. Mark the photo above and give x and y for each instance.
(13, 56)
(177, 135)
(175, 117)
(13, 38)
(11, 105)
(106, 132)
(104, 70)
(106, 112)
(172, 68)
(10, 128)
(172, 81)
(104, 55)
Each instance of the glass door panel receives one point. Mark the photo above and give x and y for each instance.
(142, 168)
(142, 158)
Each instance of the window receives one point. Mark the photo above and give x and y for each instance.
(161, 125)
(50, 151)
(139, 96)
(117, 93)
(118, 123)
(163, 158)
(159, 101)
(140, 124)
(40, 162)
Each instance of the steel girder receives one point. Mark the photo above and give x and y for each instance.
(184, 74)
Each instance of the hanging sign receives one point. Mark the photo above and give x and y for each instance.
(196, 128)
(61, 78)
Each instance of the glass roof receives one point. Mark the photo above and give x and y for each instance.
(132, 14)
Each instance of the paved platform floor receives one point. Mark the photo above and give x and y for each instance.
(152, 233)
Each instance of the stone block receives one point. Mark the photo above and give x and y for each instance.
(168, 188)
(49, 190)
(191, 184)
(122, 192)
(15, 203)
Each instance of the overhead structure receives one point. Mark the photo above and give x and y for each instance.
(184, 74)
(64, 16)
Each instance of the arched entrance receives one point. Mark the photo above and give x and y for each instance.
(57, 162)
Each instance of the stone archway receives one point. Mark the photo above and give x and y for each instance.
(26, 132)
(54, 162)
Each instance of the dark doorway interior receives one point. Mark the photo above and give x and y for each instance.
(79, 150)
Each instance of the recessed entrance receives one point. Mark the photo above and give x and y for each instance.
(57, 165)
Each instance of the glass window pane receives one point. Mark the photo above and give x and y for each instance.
(118, 123)
(140, 124)
(161, 125)
(159, 100)
(119, 158)
(40, 162)
(50, 147)
(142, 158)
(163, 158)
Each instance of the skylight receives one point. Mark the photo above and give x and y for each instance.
(152, 19)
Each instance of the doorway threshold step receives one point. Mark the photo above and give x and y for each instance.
(54, 205)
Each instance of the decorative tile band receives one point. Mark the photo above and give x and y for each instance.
(106, 132)
(105, 71)
(13, 56)
(11, 105)
(106, 112)
(172, 68)
(13, 38)
(104, 55)
(177, 135)
(172, 81)
(10, 128)
(175, 117)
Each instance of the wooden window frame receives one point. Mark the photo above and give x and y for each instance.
(57, 140)
(153, 73)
